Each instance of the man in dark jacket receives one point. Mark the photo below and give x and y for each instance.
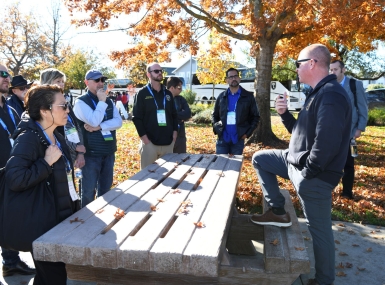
(19, 86)
(9, 119)
(174, 84)
(235, 116)
(315, 158)
(155, 118)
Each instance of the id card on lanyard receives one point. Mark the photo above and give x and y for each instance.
(160, 113)
(231, 115)
(11, 141)
(106, 134)
(71, 133)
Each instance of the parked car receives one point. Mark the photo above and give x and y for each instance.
(376, 95)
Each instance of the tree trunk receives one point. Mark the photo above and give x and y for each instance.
(263, 133)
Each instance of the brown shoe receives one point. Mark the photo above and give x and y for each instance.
(271, 219)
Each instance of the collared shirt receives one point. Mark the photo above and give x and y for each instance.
(343, 81)
(230, 131)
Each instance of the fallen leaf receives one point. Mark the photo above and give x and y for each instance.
(369, 249)
(199, 224)
(161, 200)
(372, 232)
(306, 238)
(183, 211)
(356, 245)
(348, 265)
(342, 253)
(153, 208)
(337, 242)
(99, 211)
(275, 242)
(341, 274)
(119, 214)
(361, 268)
(299, 248)
(175, 191)
(76, 220)
(340, 265)
(221, 174)
(341, 225)
(150, 170)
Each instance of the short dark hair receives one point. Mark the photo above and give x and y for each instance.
(173, 81)
(40, 97)
(231, 69)
(342, 64)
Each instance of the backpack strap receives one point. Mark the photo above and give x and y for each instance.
(353, 88)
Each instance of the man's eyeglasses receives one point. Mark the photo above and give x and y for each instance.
(23, 88)
(298, 62)
(5, 74)
(64, 106)
(157, 71)
(179, 87)
(102, 79)
(233, 77)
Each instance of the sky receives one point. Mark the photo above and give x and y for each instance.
(103, 43)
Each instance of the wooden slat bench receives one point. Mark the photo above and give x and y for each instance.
(157, 242)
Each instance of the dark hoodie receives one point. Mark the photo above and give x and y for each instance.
(321, 134)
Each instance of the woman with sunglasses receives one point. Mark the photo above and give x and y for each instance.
(71, 130)
(39, 191)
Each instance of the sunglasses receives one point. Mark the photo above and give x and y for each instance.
(64, 106)
(5, 74)
(23, 88)
(157, 71)
(102, 79)
(298, 62)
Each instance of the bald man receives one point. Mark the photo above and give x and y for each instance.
(315, 157)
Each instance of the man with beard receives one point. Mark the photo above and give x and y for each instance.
(235, 116)
(155, 118)
(9, 120)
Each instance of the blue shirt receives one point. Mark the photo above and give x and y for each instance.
(230, 133)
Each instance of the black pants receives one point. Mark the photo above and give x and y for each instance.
(50, 273)
(348, 178)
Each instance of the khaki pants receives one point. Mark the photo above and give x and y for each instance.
(150, 152)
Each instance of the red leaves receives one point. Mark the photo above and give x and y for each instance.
(119, 214)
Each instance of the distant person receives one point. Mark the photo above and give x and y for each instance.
(39, 192)
(359, 120)
(71, 131)
(99, 119)
(9, 119)
(314, 160)
(19, 86)
(125, 100)
(235, 116)
(174, 85)
(155, 118)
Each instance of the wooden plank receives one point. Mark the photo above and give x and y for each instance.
(103, 249)
(167, 253)
(203, 253)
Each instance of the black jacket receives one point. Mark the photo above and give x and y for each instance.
(184, 113)
(145, 115)
(321, 134)
(247, 114)
(16, 104)
(34, 190)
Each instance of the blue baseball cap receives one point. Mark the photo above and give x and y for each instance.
(94, 74)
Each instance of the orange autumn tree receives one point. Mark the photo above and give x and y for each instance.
(290, 24)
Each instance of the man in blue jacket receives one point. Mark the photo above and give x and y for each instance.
(235, 116)
(359, 120)
(315, 158)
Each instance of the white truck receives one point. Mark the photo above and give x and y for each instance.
(296, 98)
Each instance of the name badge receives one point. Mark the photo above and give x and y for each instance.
(107, 136)
(74, 195)
(161, 115)
(72, 135)
(230, 118)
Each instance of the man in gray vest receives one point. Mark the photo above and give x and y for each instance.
(98, 118)
(359, 120)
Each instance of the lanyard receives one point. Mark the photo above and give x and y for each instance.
(68, 164)
(164, 98)
(105, 113)
(13, 120)
(236, 102)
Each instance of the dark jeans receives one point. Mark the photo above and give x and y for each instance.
(315, 197)
(348, 178)
(10, 257)
(223, 147)
(49, 273)
(97, 177)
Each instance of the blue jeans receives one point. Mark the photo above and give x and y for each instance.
(97, 178)
(10, 257)
(315, 196)
(223, 147)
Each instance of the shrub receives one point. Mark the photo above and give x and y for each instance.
(203, 117)
(375, 86)
(376, 117)
(199, 107)
(189, 95)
